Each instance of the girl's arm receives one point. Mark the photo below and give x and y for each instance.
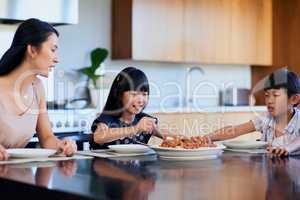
(103, 134)
(229, 132)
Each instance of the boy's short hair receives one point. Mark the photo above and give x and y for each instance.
(283, 78)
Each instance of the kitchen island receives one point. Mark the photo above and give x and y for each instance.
(232, 176)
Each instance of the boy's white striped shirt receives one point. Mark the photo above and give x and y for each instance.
(291, 138)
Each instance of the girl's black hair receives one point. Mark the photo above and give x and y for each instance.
(129, 79)
(31, 32)
(283, 78)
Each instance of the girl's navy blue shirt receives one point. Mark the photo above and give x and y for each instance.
(115, 122)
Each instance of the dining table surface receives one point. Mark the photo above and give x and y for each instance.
(233, 176)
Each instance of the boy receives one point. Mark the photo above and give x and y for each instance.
(280, 126)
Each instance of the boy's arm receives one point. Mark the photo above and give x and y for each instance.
(294, 147)
(229, 132)
(162, 133)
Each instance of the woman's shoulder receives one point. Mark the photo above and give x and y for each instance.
(38, 82)
(39, 88)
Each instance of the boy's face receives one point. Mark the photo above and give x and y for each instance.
(277, 101)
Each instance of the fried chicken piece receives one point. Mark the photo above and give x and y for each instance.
(187, 143)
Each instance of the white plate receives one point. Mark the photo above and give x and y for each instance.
(180, 152)
(255, 151)
(245, 144)
(129, 148)
(30, 153)
(189, 157)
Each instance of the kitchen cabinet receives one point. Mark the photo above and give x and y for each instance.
(201, 31)
(286, 40)
(157, 30)
(228, 31)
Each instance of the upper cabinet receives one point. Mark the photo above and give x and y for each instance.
(158, 30)
(202, 31)
(286, 40)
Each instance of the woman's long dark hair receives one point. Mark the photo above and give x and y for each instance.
(31, 32)
(129, 79)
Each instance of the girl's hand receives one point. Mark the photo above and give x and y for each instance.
(278, 151)
(67, 147)
(3, 153)
(146, 124)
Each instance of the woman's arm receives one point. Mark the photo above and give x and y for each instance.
(229, 132)
(104, 134)
(44, 131)
(3, 153)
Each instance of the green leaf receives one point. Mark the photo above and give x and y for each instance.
(98, 55)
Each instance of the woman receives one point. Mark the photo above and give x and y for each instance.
(23, 109)
(123, 120)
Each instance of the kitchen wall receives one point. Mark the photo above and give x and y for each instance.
(168, 80)
(6, 35)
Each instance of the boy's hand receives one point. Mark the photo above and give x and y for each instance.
(278, 151)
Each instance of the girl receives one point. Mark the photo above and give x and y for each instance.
(23, 109)
(122, 120)
(280, 126)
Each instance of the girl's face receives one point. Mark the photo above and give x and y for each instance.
(134, 101)
(46, 56)
(277, 101)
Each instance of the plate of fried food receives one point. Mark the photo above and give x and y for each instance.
(187, 148)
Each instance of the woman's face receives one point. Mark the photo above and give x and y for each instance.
(134, 101)
(46, 56)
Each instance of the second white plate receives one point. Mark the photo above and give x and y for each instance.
(245, 144)
(129, 148)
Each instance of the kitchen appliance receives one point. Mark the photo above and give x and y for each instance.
(56, 12)
(234, 96)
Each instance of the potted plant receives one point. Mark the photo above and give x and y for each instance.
(97, 56)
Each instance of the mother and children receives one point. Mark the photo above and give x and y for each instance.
(23, 110)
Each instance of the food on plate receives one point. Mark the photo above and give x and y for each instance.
(186, 142)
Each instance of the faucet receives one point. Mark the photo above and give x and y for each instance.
(189, 98)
